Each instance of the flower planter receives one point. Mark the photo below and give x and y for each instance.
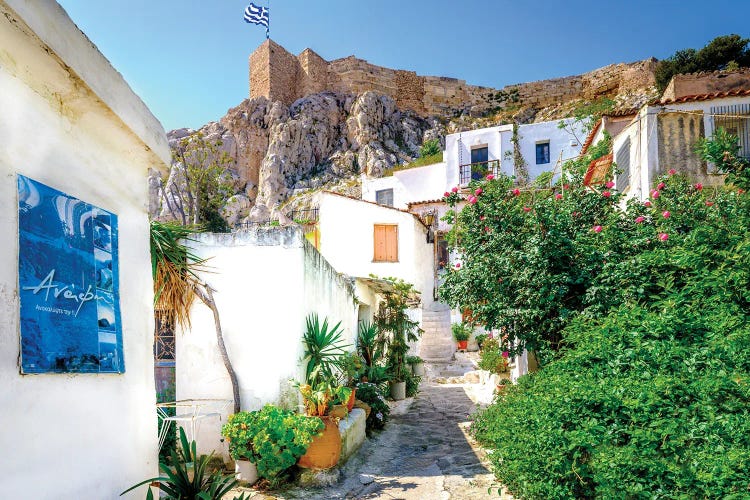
(417, 369)
(325, 449)
(462, 344)
(246, 471)
(352, 398)
(398, 391)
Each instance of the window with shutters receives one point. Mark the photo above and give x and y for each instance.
(384, 197)
(623, 164)
(542, 153)
(386, 243)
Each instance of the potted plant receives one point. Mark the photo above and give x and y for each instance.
(352, 369)
(461, 332)
(502, 384)
(325, 450)
(417, 365)
(272, 438)
(239, 432)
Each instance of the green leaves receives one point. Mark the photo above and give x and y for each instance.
(323, 349)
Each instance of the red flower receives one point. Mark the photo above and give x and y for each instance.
(446, 194)
(505, 354)
(663, 236)
(454, 190)
(516, 192)
(654, 194)
(490, 177)
(486, 229)
(482, 217)
(638, 220)
(709, 203)
(597, 229)
(740, 191)
(666, 214)
(558, 196)
(609, 185)
(566, 186)
(606, 194)
(527, 209)
(672, 171)
(661, 186)
(699, 186)
(472, 200)
(458, 265)
(647, 204)
(478, 191)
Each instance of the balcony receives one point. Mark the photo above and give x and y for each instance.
(477, 171)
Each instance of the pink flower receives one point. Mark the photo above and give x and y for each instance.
(454, 190)
(661, 186)
(486, 229)
(446, 194)
(505, 354)
(666, 214)
(472, 200)
(482, 217)
(647, 204)
(597, 229)
(527, 209)
(640, 219)
(478, 191)
(516, 192)
(566, 186)
(672, 171)
(699, 186)
(606, 194)
(663, 236)
(458, 265)
(609, 185)
(490, 177)
(576, 214)
(558, 196)
(709, 203)
(654, 194)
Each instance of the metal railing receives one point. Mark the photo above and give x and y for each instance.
(477, 171)
(302, 217)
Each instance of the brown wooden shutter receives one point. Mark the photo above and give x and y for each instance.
(385, 237)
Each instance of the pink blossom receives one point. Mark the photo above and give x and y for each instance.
(458, 265)
(699, 186)
(597, 229)
(654, 194)
(566, 186)
(666, 214)
(486, 229)
(527, 209)
(606, 194)
(482, 217)
(672, 171)
(740, 191)
(558, 196)
(709, 203)
(663, 236)
(661, 186)
(446, 194)
(472, 200)
(490, 177)
(478, 191)
(647, 204)
(516, 192)
(455, 189)
(640, 219)
(505, 354)
(609, 185)
(576, 214)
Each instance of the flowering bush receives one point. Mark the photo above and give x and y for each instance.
(379, 409)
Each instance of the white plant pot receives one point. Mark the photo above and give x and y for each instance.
(246, 471)
(418, 369)
(398, 391)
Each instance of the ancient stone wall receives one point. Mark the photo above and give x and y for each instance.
(279, 75)
(707, 83)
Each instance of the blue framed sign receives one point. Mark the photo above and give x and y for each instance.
(68, 283)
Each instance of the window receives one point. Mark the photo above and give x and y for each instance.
(384, 197)
(736, 121)
(542, 153)
(479, 155)
(386, 243)
(479, 167)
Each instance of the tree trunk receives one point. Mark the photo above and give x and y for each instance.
(205, 293)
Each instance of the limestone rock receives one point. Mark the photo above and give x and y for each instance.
(236, 208)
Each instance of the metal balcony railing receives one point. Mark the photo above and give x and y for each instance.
(477, 171)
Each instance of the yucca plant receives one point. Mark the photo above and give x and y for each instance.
(176, 285)
(188, 478)
(323, 350)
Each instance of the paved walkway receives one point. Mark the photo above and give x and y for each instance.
(424, 453)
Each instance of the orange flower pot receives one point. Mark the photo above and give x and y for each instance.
(325, 450)
(350, 403)
(463, 344)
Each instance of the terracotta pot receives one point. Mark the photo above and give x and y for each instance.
(463, 344)
(398, 391)
(325, 450)
(352, 398)
(246, 471)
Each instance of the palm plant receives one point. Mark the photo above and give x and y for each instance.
(177, 284)
(323, 350)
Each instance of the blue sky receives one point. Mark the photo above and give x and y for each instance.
(188, 60)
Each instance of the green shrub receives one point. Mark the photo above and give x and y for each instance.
(379, 409)
(461, 331)
(430, 147)
(480, 338)
(412, 384)
(491, 357)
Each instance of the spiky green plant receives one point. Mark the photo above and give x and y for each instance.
(323, 349)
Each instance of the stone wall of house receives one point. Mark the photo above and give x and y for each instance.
(707, 83)
(278, 75)
(677, 135)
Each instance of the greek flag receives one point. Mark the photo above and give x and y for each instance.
(257, 15)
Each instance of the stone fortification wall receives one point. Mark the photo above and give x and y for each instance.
(707, 83)
(278, 75)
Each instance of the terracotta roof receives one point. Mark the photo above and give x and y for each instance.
(598, 170)
(425, 202)
(622, 112)
(378, 205)
(590, 137)
(705, 97)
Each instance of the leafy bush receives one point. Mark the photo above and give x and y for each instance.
(461, 331)
(272, 438)
(430, 147)
(480, 338)
(371, 394)
(491, 357)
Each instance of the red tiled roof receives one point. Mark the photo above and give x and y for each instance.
(706, 97)
(425, 202)
(377, 205)
(598, 170)
(590, 137)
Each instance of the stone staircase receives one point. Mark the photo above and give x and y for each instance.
(437, 345)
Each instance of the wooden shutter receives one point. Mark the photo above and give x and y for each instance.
(385, 237)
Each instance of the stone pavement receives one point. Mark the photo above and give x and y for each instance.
(424, 453)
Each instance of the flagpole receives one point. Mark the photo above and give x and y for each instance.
(268, 28)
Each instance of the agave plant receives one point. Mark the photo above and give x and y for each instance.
(188, 479)
(323, 350)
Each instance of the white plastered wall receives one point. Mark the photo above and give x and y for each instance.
(412, 185)
(69, 436)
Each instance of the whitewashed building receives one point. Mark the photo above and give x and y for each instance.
(76, 369)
